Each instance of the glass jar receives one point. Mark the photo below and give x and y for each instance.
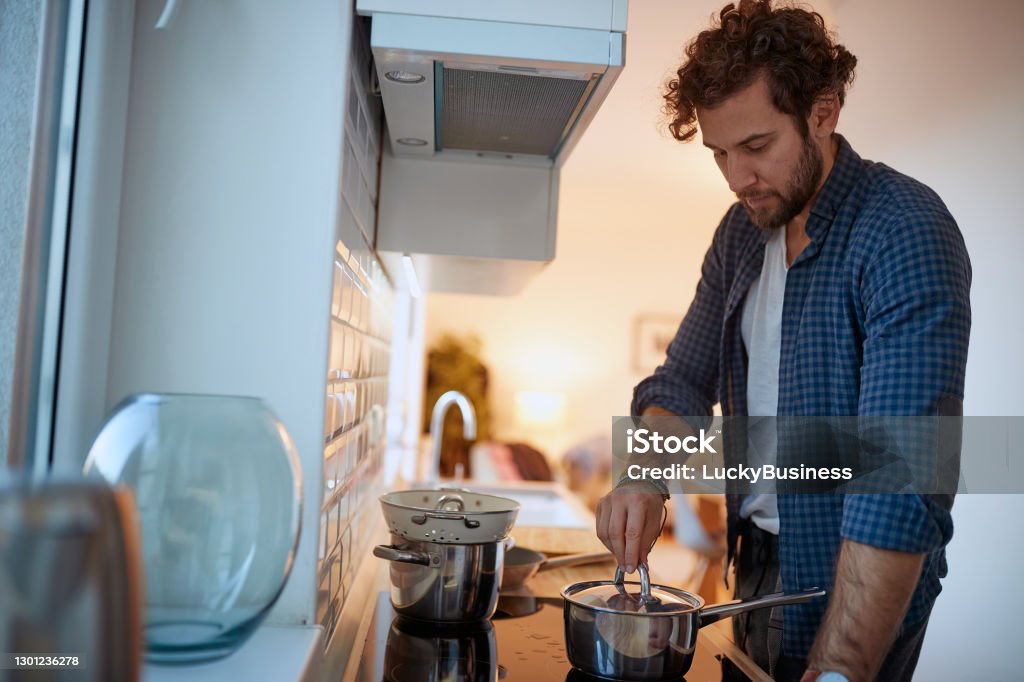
(218, 486)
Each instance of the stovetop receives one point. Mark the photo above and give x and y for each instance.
(524, 642)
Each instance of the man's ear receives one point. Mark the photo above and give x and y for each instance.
(824, 116)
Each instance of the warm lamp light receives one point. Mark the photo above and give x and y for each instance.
(540, 408)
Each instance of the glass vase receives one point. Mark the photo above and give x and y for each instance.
(218, 486)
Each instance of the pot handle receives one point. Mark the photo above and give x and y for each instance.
(403, 555)
(712, 614)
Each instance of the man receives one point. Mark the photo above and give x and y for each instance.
(834, 287)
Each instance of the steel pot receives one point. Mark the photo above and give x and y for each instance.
(445, 583)
(645, 634)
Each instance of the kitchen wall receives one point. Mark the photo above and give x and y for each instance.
(938, 95)
(229, 173)
(227, 222)
(939, 92)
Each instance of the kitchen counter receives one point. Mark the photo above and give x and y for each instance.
(273, 652)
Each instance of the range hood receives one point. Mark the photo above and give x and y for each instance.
(507, 81)
(483, 103)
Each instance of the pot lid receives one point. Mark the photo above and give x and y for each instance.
(618, 596)
(450, 516)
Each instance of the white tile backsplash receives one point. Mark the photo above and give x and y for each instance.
(357, 381)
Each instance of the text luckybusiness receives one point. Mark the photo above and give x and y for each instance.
(642, 441)
(766, 472)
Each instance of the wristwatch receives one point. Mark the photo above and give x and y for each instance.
(832, 676)
(657, 486)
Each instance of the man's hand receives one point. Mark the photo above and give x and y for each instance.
(629, 517)
(628, 522)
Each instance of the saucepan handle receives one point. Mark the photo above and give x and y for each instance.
(403, 555)
(711, 614)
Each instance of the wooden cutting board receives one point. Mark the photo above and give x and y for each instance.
(556, 541)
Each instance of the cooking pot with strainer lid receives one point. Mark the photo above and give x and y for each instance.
(447, 552)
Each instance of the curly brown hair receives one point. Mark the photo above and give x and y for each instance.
(790, 45)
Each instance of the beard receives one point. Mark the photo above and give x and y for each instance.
(802, 185)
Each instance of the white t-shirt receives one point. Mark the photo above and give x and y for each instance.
(761, 327)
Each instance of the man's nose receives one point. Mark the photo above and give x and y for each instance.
(739, 174)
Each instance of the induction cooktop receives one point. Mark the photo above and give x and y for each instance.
(524, 642)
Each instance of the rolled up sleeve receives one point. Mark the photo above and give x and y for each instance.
(904, 523)
(917, 325)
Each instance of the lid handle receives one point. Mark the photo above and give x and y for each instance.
(645, 584)
(450, 502)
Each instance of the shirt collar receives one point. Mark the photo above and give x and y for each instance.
(845, 173)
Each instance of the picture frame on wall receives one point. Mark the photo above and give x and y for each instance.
(652, 333)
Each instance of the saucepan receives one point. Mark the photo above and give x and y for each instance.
(521, 564)
(650, 633)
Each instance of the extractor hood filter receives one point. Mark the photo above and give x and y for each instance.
(511, 83)
(512, 113)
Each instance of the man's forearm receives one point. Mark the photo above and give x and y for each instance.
(870, 597)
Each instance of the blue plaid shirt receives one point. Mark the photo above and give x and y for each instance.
(875, 321)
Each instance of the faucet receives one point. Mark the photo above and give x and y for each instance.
(437, 427)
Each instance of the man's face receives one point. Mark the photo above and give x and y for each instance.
(773, 169)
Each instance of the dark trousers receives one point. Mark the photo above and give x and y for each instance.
(759, 632)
